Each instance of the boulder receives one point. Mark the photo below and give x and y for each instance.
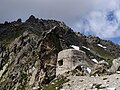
(115, 66)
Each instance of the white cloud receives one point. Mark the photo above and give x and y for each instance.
(103, 21)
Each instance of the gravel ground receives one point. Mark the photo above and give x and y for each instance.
(107, 82)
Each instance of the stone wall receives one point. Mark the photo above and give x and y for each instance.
(69, 59)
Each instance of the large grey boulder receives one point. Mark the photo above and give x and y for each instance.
(115, 66)
(104, 68)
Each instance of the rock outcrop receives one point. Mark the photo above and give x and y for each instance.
(115, 66)
(105, 69)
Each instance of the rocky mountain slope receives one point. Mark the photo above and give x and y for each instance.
(28, 51)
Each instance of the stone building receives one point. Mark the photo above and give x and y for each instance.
(70, 58)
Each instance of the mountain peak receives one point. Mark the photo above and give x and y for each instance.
(31, 19)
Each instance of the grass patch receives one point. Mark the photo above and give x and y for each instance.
(104, 54)
(7, 39)
(55, 83)
(99, 53)
(92, 53)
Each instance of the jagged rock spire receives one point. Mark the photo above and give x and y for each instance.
(31, 19)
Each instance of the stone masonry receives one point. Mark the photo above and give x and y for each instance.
(69, 59)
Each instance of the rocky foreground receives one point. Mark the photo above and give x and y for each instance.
(107, 82)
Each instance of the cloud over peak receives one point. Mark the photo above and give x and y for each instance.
(96, 17)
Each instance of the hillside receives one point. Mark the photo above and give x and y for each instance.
(29, 50)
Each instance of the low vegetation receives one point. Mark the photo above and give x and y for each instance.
(55, 84)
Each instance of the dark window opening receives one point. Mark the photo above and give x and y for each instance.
(60, 62)
(118, 69)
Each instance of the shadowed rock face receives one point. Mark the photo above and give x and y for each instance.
(29, 50)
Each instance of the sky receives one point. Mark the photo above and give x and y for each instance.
(90, 17)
